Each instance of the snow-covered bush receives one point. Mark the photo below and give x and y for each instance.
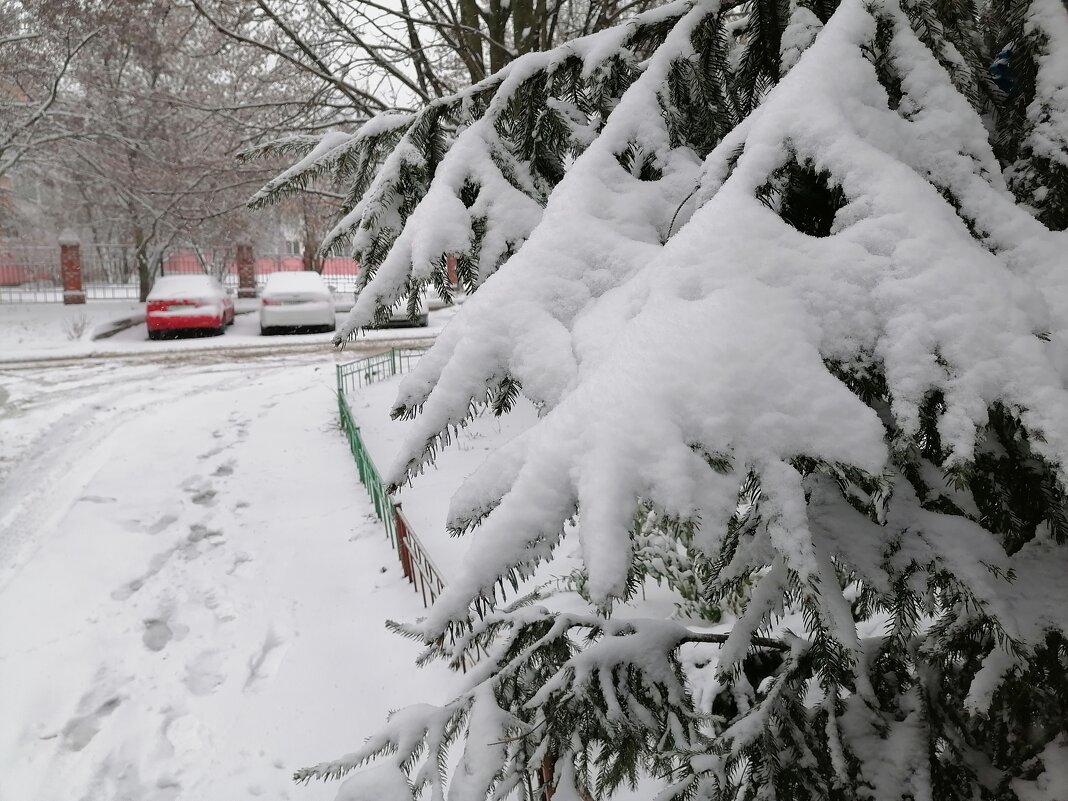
(789, 283)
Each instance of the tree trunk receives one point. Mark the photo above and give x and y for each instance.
(471, 52)
(312, 261)
(144, 271)
(310, 254)
(497, 27)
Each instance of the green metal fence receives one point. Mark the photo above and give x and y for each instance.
(369, 475)
(416, 563)
(361, 372)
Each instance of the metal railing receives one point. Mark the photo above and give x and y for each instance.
(369, 475)
(416, 563)
(366, 371)
(30, 272)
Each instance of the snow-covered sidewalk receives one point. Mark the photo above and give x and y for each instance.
(196, 595)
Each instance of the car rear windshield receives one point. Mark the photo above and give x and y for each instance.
(183, 286)
(306, 282)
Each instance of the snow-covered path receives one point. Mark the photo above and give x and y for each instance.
(192, 589)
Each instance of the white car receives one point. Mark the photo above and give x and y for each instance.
(296, 300)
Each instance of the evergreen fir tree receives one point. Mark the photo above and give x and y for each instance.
(788, 285)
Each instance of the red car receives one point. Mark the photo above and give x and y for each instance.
(187, 303)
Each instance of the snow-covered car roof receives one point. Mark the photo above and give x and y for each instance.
(173, 286)
(303, 281)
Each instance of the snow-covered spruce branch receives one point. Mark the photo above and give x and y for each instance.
(495, 152)
(489, 187)
(835, 380)
(625, 671)
(532, 345)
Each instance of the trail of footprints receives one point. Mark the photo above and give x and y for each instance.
(206, 668)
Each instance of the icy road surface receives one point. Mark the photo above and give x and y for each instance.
(192, 585)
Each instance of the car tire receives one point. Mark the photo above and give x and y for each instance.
(424, 321)
(154, 335)
(330, 327)
(265, 331)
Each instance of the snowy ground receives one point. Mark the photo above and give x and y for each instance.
(192, 583)
(34, 327)
(192, 588)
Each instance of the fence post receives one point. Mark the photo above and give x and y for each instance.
(402, 542)
(246, 272)
(70, 265)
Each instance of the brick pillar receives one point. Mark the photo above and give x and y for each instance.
(70, 265)
(246, 272)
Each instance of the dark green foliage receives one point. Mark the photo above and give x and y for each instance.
(503, 398)
(803, 197)
(821, 8)
(664, 553)
(1036, 179)
(941, 24)
(1023, 716)
(878, 53)
(1005, 23)
(700, 107)
(760, 67)
(640, 163)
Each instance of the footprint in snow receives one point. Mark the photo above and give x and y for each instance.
(204, 497)
(80, 731)
(154, 566)
(182, 732)
(157, 634)
(238, 567)
(188, 549)
(225, 469)
(204, 674)
(213, 452)
(223, 609)
(199, 532)
(161, 629)
(161, 524)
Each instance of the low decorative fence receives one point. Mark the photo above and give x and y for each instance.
(375, 368)
(415, 561)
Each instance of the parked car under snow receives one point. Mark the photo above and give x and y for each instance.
(188, 303)
(297, 300)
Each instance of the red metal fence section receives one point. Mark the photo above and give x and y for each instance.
(30, 272)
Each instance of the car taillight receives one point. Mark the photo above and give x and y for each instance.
(270, 302)
(164, 305)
